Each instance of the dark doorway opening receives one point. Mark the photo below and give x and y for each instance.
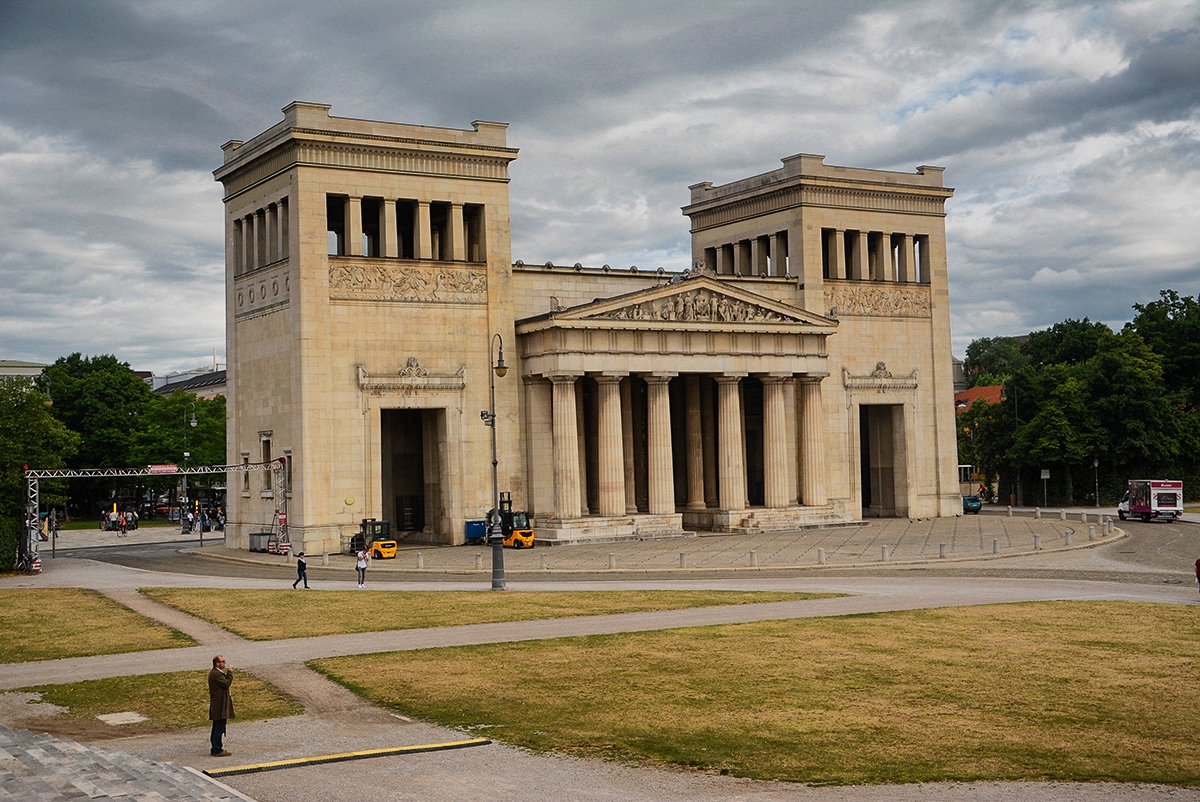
(410, 474)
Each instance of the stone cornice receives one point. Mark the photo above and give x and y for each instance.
(410, 378)
(879, 380)
(881, 197)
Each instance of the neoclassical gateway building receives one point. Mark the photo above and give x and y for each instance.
(798, 374)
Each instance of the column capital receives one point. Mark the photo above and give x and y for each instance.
(657, 376)
(812, 378)
(773, 378)
(563, 378)
(729, 378)
(607, 376)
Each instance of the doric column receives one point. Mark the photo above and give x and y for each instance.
(422, 232)
(723, 266)
(353, 226)
(627, 445)
(389, 234)
(661, 467)
(904, 261)
(887, 270)
(254, 245)
(238, 249)
(458, 241)
(778, 254)
(271, 230)
(566, 448)
(731, 450)
(758, 256)
(284, 227)
(839, 253)
(581, 449)
(611, 448)
(695, 443)
(775, 463)
(812, 443)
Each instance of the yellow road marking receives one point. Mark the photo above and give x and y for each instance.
(338, 758)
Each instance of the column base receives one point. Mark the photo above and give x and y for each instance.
(596, 529)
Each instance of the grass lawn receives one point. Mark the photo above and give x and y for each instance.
(279, 614)
(1088, 691)
(80, 525)
(168, 701)
(50, 623)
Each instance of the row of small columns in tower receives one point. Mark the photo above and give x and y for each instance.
(425, 245)
(758, 256)
(849, 255)
(615, 445)
(261, 237)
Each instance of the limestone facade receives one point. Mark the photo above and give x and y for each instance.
(798, 374)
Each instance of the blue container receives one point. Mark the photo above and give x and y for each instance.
(476, 531)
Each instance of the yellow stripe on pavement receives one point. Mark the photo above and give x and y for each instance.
(313, 761)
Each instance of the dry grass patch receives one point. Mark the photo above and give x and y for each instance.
(256, 614)
(1040, 691)
(168, 701)
(51, 623)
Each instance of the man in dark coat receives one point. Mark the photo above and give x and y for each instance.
(220, 705)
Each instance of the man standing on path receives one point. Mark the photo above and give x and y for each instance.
(360, 565)
(301, 571)
(1198, 571)
(220, 704)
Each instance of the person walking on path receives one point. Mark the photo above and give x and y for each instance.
(361, 565)
(220, 703)
(1198, 571)
(301, 571)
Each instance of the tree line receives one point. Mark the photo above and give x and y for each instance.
(95, 412)
(1093, 406)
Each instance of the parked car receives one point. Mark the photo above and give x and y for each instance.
(972, 504)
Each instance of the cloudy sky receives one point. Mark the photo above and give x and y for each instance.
(1071, 132)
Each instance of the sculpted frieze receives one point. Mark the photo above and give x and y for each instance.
(701, 305)
(408, 281)
(877, 299)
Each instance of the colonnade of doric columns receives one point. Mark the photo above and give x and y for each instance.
(447, 241)
(876, 255)
(754, 256)
(712, 463)
(261, 237)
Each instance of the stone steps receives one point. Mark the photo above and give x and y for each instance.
(42, 768)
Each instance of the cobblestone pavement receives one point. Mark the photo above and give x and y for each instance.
(1146, 566)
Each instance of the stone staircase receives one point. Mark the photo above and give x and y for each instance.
(791, 519)
(42, 768)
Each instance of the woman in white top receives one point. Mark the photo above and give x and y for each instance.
(361, 565)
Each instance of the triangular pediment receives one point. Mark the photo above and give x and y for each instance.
(700, 299)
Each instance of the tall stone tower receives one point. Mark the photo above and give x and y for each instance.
(368, 269)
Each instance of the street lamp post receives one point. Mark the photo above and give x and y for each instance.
(1096, 475)
(496, 535)
(184, 498)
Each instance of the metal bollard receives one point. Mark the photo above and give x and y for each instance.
(612, 560)
(995, 545)
(1092, 532)
(1068, 538)
(545, 562)
(754, 559)
(682, 560)
(1062, 515)
(1010, 512)
(478, 561)
(420, 560)
(324, 558)
(941, 551)
(886, 553)
(1037, 513)
(1037, 542)
(820, 556)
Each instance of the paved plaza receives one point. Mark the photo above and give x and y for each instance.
(1032, 559)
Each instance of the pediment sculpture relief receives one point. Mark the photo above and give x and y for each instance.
(700, 305)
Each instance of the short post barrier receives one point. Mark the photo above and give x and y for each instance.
(1037, 513)
(478, 561)
(612, 560)
(1010, 512)
(683, 559)
(754, 559)
(324, 558)
(420, 560)
(1092, 532)
(1037, 542)
(995, 545)
(820, 556)
(1083, 517)
(941, 551)
(1062, 515)
(1068, 537)
(887, 553)
(545, 562)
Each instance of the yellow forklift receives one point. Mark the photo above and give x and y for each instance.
(518, 534)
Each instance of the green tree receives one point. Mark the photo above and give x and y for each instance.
(29, 435)
(990, 359)
(100, 398)
(1071, 342)
(1170, 326)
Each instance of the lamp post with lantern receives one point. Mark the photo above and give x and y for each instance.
(183, 500)
(496, 530)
